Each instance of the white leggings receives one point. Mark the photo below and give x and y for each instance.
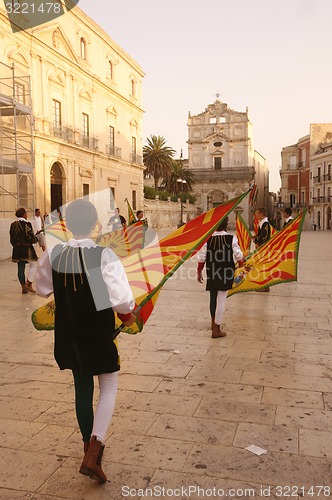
(108, 386)
(220, 308)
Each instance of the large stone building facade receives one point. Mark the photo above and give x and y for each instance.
(222, 157)
(84, 95)
(321, 186)
(305, 178)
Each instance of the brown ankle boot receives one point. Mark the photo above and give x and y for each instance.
(86, 446)
(216, 333)
(91, 465)
(212, 323)
(25, 289)
(29, 287)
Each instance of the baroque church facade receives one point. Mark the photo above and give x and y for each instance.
(222, 157)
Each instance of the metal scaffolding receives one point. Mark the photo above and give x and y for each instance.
(16, 142)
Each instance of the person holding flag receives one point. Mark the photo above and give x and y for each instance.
(89, 284)
(219, 253)
(263, 233)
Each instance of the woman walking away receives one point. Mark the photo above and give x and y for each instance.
(22, 239)
(89, 283)
(219, 253)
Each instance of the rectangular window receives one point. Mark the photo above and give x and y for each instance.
(85, 129)
(111, 136)
(86, 190)
(133, 145)
(133, 199)
(56, 114)
(217, 163)
(85, 125)
(318, 174)
(112, 198)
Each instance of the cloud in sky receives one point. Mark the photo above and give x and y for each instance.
(272, 56)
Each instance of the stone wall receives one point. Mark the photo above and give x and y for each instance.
(167, 214)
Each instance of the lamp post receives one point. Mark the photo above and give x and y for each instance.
(181, 183)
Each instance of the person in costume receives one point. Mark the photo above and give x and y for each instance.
(89, 284)
(287, 216)
(38, 226)
(22, 239)
(117, 221)
(219, 254)
(263, 234)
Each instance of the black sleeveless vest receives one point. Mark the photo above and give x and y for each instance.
(220, 263)
(84, 319)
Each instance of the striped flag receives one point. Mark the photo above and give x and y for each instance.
(272, 263)
(243, 234)
(131, 215)
(253, 195)
(149, 269)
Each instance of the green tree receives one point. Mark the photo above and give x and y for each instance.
(157, 157)
(179, 173)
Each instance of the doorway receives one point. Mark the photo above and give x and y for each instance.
(56, 186)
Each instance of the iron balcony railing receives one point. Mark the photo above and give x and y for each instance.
(65, 133)
(113, 151)
(135, 158)
(223, 174)
(89, 142)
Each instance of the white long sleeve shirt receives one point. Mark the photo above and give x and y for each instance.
(237, 253)
(119, 291)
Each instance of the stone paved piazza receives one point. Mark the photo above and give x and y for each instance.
(188, 405)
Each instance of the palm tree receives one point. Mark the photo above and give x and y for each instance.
(178, 173)
(157, 157)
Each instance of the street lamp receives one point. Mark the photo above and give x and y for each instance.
(181, 183)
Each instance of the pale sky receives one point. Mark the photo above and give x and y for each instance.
(274, 56)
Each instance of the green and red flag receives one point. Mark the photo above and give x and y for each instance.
(131, 215)
(149, 269)
(243, 234)
(274, 262)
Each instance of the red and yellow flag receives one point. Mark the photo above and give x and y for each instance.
(149, 269)
(272, 263)
(131, 215)
(243, 234)
(123, 241)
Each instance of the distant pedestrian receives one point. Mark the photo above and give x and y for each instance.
(219, 253)
(117, 221)
(89, 284)
(38, 227)
(140, 217)
(287, 216)
(263, 234)
(22, 239)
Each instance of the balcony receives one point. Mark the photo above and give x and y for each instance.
(302, 164)
(65, 133)
(317, 179)
(89, 142)
(327, 177)
(225, 173)
(113, 151)
(322, 199)
(136, 159)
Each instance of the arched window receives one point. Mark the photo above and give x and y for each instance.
(83, 48)
(110, 69)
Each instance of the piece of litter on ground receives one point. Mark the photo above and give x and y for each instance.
(27, 308)
(256, 449)
(176, 352)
